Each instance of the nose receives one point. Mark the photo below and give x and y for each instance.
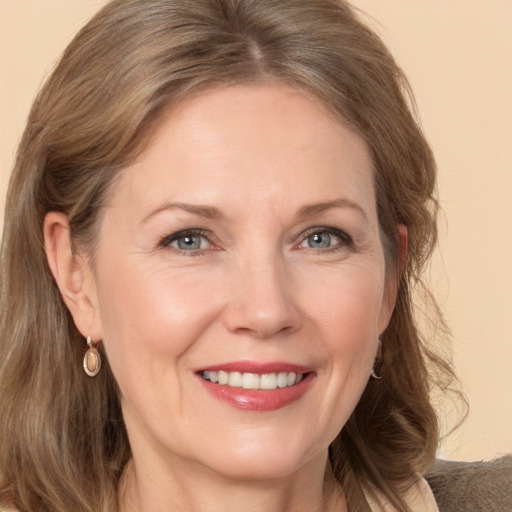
(262, 301)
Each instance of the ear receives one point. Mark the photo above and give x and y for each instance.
(393, 280)
(73, 275)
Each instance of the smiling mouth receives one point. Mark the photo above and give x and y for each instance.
(264, 381)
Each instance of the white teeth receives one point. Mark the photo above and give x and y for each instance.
(234, 379)
(268, 381)
(282, 380)
(253, 380)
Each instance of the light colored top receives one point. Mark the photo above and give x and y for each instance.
(418, 499)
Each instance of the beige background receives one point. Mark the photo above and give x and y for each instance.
(458, 56)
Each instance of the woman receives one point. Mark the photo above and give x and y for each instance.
(217, 216)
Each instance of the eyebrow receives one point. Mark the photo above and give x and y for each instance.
(213, 213)
(207, 212)
(315, 209)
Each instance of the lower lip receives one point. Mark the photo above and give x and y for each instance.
(257, 399)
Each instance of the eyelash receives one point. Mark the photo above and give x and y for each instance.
(346, 240)
(168, 240)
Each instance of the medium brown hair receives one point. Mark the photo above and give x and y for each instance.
(63, 441)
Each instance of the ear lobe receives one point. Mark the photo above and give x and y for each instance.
(72, 274)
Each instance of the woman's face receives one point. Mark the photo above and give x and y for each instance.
(243, 245)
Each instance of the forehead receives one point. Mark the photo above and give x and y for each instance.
(258, 140)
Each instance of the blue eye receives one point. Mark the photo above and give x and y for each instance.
(325, 239)
(319, 240)
(189, 241)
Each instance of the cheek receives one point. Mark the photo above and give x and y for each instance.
(151, 318)
(349, 303)
(342, 321)
(349, 313)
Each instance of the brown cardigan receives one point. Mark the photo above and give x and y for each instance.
(472, 486)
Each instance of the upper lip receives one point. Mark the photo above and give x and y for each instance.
(257, 367)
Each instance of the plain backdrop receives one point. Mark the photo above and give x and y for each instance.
(458, 57)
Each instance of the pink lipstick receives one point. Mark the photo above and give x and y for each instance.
(257, 386)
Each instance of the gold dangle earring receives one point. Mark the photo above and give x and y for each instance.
(92, 360)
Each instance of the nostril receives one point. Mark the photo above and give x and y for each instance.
(264, 330)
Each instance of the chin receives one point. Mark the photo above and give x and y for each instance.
(261, 458)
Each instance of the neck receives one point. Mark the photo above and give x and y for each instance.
(193, 488)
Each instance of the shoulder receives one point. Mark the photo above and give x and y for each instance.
(419, 498)
(472, 485)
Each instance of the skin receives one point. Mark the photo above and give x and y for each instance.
(257, 289)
